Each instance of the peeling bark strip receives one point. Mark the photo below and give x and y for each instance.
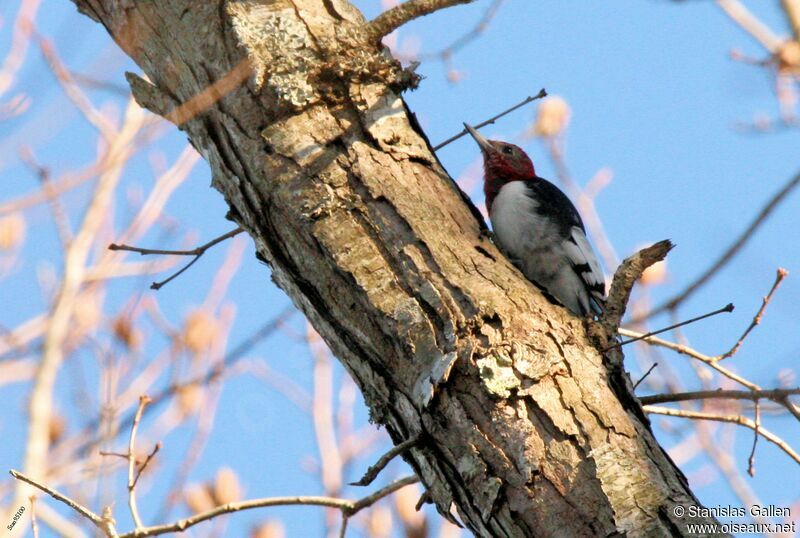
(319, 160)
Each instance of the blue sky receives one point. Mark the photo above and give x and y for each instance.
(654, 97)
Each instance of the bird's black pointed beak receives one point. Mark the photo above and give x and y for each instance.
(484, 144)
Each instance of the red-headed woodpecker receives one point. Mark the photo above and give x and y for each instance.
(539, 229)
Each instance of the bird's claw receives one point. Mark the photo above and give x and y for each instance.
(486, 234)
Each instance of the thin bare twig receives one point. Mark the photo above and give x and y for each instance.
(713, 362)
(146, 461)
(754, 395)
(727, 308)
(85, 512)
(347, 507)
(104, 126)
(750, 24)
(730, 252)
(751, 461)
(196, 252)
(115, 454)
(105, 522)
(34, 521)
(647, 373)
(392, 19)
(447, 52)
(57, 209)
(132, 477)
(791, 9)
(20, 40)
(385, 491)
(734, 419)
(722, 458)
(383, 461)
(40, 406)
(781, 274)
(686, 350)
(193, 252)
(542, 93)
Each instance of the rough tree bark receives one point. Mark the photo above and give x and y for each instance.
(297, 109)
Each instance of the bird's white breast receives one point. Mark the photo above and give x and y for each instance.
(518, 227)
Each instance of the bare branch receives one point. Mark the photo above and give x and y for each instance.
(775, 394)
(392, 19)
(146, 461)
(647, 373)
(34, 521)
(198, 103)
(781, 274)
(96, 84)
(713, 362)
(374, 470)
(348, 508)
(193, 252)
(104, 126)
(85, 512)
(196, 252)
(792, 10)
(542, 93)
(106, 523)
(727, 308)
(626, 274)
(132, 477)
(369, 500)
(750, 24)
(734, 419)
(686, 350)
(447, 52)
(20, 40)
(730, 252)
(57, 208)
(751, 461)
(40, 400)
(115, 454)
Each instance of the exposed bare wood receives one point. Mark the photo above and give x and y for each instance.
(393, 18)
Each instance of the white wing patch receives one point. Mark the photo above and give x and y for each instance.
(580, 252)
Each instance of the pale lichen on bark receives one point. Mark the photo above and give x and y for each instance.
(278, 44)
(362, 227)
(498, 374)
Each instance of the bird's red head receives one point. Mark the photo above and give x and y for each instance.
(502, 163)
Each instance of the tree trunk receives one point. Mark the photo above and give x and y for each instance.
(296, 108)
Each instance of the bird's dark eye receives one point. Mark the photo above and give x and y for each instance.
(508, 150)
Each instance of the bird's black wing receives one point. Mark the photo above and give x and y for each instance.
(554, 205)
